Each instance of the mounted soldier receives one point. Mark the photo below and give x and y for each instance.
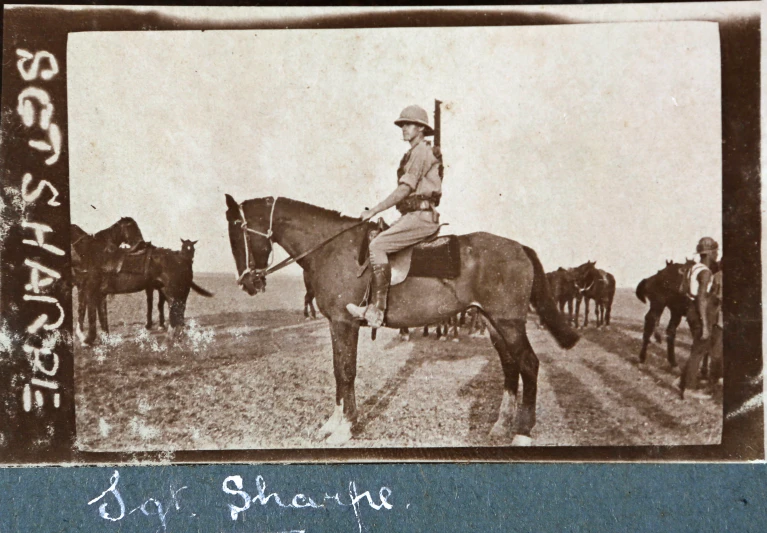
(419, 189)
(698, 287)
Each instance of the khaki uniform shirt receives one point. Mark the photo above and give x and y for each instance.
(420, 170)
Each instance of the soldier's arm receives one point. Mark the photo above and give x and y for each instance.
(400, 193)
(701, 301)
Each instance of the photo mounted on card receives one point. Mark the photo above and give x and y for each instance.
(319, 234)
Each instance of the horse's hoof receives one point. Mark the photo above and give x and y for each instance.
(456, 339)
(342, 433)
(521, 440)
(327, 429)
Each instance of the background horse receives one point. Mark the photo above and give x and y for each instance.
(563, 289)
(87, 253)
(663, 290)
(308, 298)
(598, 285)
(498, 275)
(151, 267)
(187, 250)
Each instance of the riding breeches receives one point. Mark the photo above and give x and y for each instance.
(700, 347)
(410, 229)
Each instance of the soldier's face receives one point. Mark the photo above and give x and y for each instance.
(410, 131)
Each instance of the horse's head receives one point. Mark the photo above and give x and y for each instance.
(585, 274)
(129, 232)
(187, 248)
(250, 226)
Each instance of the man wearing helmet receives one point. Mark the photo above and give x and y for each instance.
(419, 188)
(698, 316)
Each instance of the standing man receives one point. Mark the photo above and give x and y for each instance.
(698, 315)
(419, 188)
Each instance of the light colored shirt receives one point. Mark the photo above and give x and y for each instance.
(695, 271)
(421, 170)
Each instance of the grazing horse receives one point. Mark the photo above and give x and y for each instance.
(663, 290)
(563, 289)
(498, 275)
(187, 250)
(87, 252)
(309, 298)
(598, 285)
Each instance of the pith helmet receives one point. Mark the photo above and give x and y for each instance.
(707, 245)
(414, 114)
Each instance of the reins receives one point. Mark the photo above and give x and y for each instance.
(285, 262)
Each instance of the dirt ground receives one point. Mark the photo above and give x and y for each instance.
(250, 372)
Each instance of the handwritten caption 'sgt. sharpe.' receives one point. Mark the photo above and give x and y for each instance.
(36, 110)
(114, 509)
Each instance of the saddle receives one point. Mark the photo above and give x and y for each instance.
(435, 257)
(131, 261)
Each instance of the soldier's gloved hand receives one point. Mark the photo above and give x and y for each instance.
(367, 214)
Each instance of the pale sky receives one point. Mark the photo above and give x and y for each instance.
(597, 141)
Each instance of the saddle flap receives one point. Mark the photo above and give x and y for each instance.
(373, 229)
(438, 257)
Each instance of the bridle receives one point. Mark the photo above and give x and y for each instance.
(249, 267)
(262, 272)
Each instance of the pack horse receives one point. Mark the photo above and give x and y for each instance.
(499, 276)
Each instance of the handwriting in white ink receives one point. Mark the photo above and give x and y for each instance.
(150, 507)
(36, 110)
(31, 73)
(234, 485)
(116, 493)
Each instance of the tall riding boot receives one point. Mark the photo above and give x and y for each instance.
(374, 312)
(376, 309)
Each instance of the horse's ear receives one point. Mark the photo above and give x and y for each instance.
(193, 243)
(231, 204)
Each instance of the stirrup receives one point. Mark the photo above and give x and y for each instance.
(374, 316)
(356, 311)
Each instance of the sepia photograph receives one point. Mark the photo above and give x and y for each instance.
(382, 237)
(542, 199)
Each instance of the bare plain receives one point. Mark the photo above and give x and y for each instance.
(252, 373)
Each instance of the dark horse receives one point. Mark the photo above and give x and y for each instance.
(498, 275)
(135, 270)
(598, 285)
(663, 290)
(87, 252)
(187, 250)
(563, 289)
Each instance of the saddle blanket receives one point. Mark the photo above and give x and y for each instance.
(439, 257)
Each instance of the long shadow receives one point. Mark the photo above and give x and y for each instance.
(485, 390)
(682, 334)
(424, 351)
(627, 348)
(573, 397)
(585, 413)
(638, 401)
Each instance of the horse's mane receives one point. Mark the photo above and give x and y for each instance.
(310, 208)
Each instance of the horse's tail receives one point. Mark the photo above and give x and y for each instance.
(201, 291)
(640, 292)
(544, 304)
